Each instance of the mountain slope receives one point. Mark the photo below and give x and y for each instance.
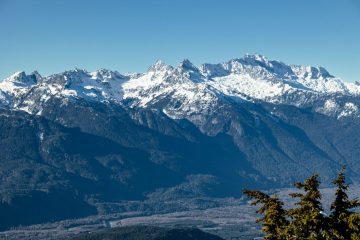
(171, 132)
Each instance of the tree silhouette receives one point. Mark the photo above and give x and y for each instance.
(341, 209)
(273, 221)
(308, 219)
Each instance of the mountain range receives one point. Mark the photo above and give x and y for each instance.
(72, 141)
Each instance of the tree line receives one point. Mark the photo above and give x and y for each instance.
(307, 220)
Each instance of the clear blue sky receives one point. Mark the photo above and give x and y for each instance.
(129, 35)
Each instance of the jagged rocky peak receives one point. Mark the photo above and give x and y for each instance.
(213, 70)
(273, 67)
(69, 77)
(23, 79)
(188, 66)
(259, 66)
(76, 72)
(255, 65)
(309, 72)
(36, 76)
(253, 77)
(17, 77)
(160, 66)
(190, 71)
(255, 58)
(106, 74)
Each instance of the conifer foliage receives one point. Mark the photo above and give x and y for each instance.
(344, 222)
(307, 220)
(274, 219)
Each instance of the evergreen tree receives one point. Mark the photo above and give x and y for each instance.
(341, 210)
(273, 220)
(354, 225)
(308, 221)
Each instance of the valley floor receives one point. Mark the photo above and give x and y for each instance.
(227, 222)
(232, 219)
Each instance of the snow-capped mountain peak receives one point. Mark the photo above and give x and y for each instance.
(188, 70)
(255, 58)
(190, 88)
(23, 79)
(16, 76)
(187, 65)
(106, 75)
(309, 72)
(160, 66)
(18, 84)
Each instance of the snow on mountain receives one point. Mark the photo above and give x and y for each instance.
(183, 89)
(186, 89)
(354, 88)
(19, 82)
